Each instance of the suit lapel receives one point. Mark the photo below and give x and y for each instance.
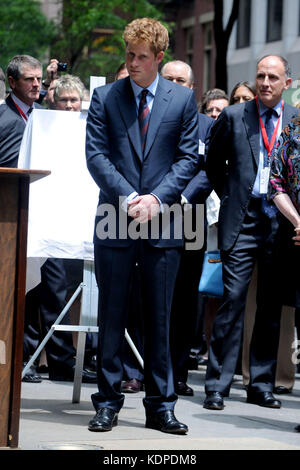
(252, 128)
(289, 112)
(160, 104)
(10, 103)
(127, 105)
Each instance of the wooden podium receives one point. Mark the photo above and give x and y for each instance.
(14, 194)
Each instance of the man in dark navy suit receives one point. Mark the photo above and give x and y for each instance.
(141, 145)
(238, 166)
(185, 301)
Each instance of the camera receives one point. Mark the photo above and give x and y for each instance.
(61, 67)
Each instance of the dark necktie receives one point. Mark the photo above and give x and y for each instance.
(143, 116)
(268, 208)
(29, 111)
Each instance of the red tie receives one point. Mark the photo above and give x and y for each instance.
(143, 116)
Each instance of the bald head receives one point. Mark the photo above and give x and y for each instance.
(178, 72)
(272, 79)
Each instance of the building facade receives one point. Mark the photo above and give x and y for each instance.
(263, 27)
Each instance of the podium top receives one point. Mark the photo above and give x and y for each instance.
(33, 175)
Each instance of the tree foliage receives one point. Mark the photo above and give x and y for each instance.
(90, 33)
(23, 30)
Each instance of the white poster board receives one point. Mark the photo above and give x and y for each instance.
(63, 205)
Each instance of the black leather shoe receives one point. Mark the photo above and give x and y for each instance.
(281, 390)
(165, 421)
(104, 420)
(43, 369)
(181, 388)
(214, 401)
(91, 364)
(266, 399)
(88, 377)
(31, 376)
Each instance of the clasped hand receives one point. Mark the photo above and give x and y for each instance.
(143, 208)
(297, 236)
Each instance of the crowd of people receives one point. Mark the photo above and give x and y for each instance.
(149, 141)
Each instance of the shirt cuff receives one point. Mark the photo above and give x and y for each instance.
(129, 198)
(160, 203)
(183, 200)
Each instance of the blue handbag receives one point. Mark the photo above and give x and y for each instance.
(211, 281)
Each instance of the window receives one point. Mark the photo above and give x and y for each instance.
(274, 20)
(208, 40)
(299, 20)
(189, 45)
(244, 24)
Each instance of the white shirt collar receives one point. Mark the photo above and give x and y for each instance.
(152, 87)
(263, 109)
(21, 104)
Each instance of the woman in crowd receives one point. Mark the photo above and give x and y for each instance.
(284, 189)
(68, 93)
(242, 91)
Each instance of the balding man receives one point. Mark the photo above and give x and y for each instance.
(238, 166)
(185, 299)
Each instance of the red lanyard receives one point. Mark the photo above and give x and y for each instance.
(21, 112)
(269, 145)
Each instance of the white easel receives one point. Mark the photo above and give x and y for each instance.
(87, 324)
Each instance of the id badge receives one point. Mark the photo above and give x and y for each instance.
(201, 147)
(264, 180)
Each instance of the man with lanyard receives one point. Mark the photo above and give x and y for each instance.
(238, 167)
(24, 74)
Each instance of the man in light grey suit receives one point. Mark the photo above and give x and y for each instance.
(148, 169)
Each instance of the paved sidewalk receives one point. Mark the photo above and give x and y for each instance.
(50, 421)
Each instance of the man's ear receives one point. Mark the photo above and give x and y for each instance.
(160, 56)
(11, 82)
(288, 83)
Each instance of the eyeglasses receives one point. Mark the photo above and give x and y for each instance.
(211, 110)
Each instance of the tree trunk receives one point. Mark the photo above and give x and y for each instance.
(222, 36)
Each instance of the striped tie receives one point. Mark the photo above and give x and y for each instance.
(143, 116)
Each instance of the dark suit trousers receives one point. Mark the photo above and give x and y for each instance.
(184, 311)
(43, 305)
(135, 328)
(114, 272)
(254, 243)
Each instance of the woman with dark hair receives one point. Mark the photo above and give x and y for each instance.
(243, 91)
(284, 189)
